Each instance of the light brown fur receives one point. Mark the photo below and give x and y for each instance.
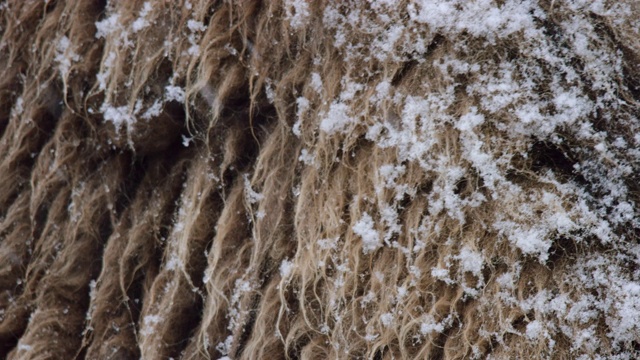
(120, 242)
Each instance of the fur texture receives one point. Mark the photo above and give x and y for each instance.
(298, 179)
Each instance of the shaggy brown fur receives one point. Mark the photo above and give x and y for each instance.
(290, 179)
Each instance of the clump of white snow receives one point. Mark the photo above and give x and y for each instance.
(370, 237)
(297, 12)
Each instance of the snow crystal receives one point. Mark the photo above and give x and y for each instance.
(471, 261)
(251, 196)
(367, 298)
(389, 173)
(24, 347)
(470, 120)
(107, 26)
(628, 313)
(141, 22)
(316, 82)
(382, 91)
(429, 325)
(231, 49)
(402, 292)
(174, 263)
(119, 116)
(303, 106)
(196, 26)
(534, 329)
(620, 143)
(327, 244)
(225, 347)
(603, 231)
(153, 111)
(306, 157)
(570, 108)
(441, 274)
(106, 71)
(415, 271)
(186, 140)
(194, 50)
(65, 55)
(174, 93)
(530, 240)
(370, 337)
(18, 108)
(506, 281)
(387, 319)
(92, 289)
(385, 47)
(481, 18)
(365, 229)
(286, 268)
(300, 15)
(350, 88)
(148, 323)
(336, 119)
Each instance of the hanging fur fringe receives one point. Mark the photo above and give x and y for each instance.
(205, 179)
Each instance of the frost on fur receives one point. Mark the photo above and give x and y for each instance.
(296, 179)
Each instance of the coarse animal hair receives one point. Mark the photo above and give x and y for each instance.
(206, 179)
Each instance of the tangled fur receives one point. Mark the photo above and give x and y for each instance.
(298, 179)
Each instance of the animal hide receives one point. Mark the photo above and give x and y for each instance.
(205, 179)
